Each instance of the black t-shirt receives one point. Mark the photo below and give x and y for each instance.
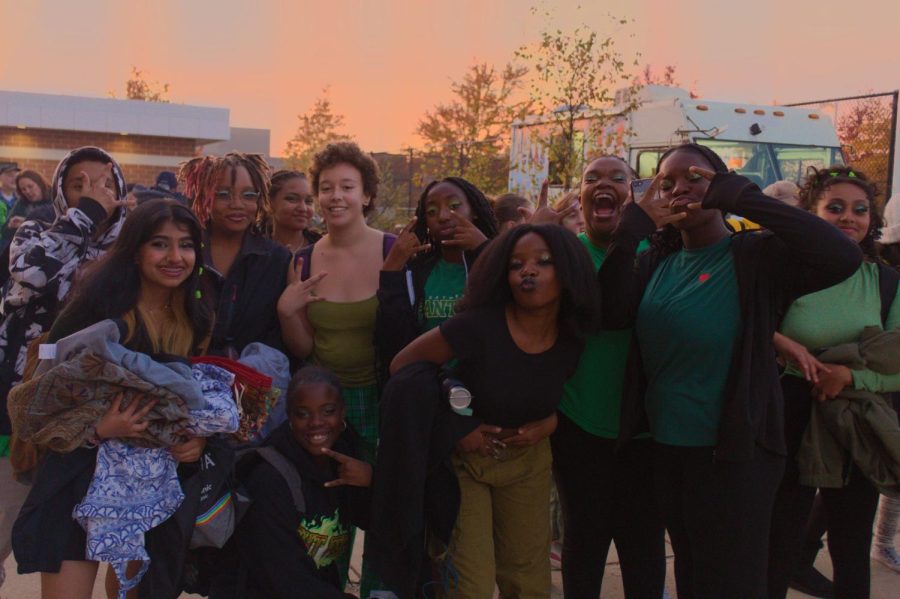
(509, 386)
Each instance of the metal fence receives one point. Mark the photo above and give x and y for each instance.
(867, 127)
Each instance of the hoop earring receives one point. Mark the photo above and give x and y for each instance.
(345, 425)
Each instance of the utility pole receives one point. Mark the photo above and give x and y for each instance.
(409, 181)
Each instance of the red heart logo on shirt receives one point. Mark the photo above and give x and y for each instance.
(704, 277)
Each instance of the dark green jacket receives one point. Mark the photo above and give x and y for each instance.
(856, 428)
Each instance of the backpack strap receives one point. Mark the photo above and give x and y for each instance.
(287, 470)
(387, 242)
(888, 282)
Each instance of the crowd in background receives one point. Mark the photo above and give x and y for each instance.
(699, 358)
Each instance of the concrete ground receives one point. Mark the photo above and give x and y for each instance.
(885, 583)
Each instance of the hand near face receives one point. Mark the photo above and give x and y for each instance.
(405, 247)
(351, 471)
(544, 214)
(656, 208)
(466, 236)
(99, 191)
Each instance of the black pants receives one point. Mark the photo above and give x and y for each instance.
(717, 514)
(850, 512)
(607, 497)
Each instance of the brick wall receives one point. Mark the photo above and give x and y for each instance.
(66, 140)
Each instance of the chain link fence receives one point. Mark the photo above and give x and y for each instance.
(867, 127)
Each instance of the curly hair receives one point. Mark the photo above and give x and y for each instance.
(668, 240)
(818, 181)
(347, 152)
(488, 283)
(201, 176)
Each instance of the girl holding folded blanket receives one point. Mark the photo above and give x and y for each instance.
(702, 378)
(148, 282)
(517, 338)
(845, 198)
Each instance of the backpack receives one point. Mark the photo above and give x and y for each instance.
(223, 502)
(888, 282)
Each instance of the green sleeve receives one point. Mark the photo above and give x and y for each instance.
(867, 380)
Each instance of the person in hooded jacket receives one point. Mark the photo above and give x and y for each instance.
(286, 552)
(88, 189)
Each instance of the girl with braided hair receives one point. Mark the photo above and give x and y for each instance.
(244, 272)
(702, 376)
(844, 198)
(292, 207)
(425, 272)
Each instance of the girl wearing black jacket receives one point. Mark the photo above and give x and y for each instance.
(286, 553)
(705, 304)
(426, 270)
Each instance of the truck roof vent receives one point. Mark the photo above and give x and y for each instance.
(702, 107)
(759, 111)
(741, 110)
(778, 113)
(813, 116)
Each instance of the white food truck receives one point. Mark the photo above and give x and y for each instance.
(763, 143)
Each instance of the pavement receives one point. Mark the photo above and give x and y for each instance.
(885, 583)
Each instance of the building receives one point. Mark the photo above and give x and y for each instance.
(248, 140)
(37, 130)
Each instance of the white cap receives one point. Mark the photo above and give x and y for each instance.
(890, 232)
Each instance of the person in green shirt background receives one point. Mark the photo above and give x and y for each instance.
(606, 495)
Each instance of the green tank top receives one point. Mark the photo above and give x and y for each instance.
(342, 338)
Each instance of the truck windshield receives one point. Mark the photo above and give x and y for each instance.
(765, 163)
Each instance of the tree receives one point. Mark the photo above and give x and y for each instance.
(317, 128)
(137, 87)
(575, 76)
(468, 137)
(865, 134)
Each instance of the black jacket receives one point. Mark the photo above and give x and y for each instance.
(798, 254)
(415, 489)
(274, 561)
(245, 300)
(399, 320)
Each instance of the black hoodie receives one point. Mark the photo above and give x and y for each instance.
(283, 553)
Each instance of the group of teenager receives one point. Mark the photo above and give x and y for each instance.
(660, 368)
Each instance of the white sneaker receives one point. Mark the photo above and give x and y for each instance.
(887, 556)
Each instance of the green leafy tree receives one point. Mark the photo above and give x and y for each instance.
(318, 127)
(469, 136)
(577, 77)
(390, 205)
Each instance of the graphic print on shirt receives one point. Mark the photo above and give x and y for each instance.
(325, 538)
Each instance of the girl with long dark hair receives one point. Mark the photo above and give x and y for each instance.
(704, 305)
(425, 273)
(516, 338)
(148, 282)
(291, 210)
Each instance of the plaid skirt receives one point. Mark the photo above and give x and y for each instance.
(361, 404)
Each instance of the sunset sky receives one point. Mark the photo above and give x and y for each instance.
(388, 61)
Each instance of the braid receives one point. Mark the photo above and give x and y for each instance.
(201, 176)
(482, 213)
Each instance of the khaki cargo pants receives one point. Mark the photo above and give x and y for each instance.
(502, 532)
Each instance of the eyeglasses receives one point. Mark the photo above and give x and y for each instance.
(226, 195)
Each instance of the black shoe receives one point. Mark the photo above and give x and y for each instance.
(812, 582)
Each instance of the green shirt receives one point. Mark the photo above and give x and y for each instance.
(445, 285)
(687, 325)
(838, 315)
(592, 398)
(4, 446)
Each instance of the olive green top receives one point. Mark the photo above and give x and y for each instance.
(342, 339)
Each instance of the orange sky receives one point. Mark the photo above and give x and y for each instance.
(387, 62)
